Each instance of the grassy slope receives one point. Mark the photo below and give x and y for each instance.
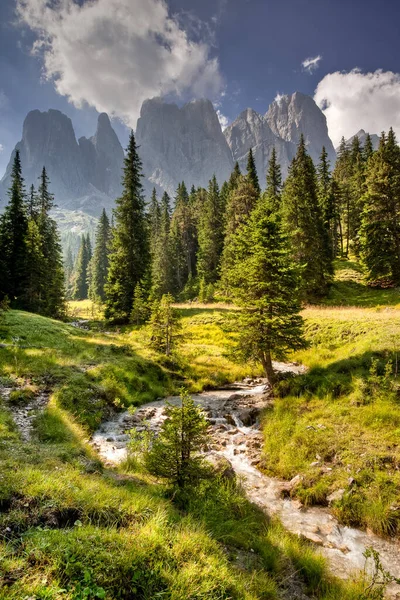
(340, 414)
(71, 529)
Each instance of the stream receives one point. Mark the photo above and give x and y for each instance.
(233, 415)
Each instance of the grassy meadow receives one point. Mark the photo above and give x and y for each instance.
(71, 528)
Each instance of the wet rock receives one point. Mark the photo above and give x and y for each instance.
(222, 466)
(233, 431)
(229, 419)
(248, 416)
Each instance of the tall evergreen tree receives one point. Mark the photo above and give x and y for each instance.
(81, 288)
(153, 216)
(99, 262)
(265, 282)
(380, 228)
(53, 288)
(32, 204)
(342, 178)
(327, 202)
(272, 195)
(368, 148)
(183, 240)
(252, 172)
(13, 232)
(162, 263)
(129, 257)
(211, 235)
(241, 201)
(234, 178)
(303, 223)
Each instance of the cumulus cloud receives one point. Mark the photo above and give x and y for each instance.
(1, 147)
(113, 54)
(355, 100)
(311, 64)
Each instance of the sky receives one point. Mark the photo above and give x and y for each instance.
(84, 57)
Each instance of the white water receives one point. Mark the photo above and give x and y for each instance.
(342, 546)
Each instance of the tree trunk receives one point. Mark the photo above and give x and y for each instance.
(268, 369)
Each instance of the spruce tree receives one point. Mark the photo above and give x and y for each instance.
(140, 307)
(211, 235)
(80, 290)
(53, 288)
(183, 240)
(162, 263)
(368, 148)
(36, 275)
(234, 178)
(129, 256)
(153, 217)
(13, 232)
(164, 325)
(327, 202)
(380, 227)
(252, 172)
(32, 204)
(303, 222)
(272, 195)
(99, 262)
(265, 282)
(342, 177)
(241, 201)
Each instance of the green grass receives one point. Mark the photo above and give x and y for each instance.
(350, 288)
(72, 529)
(344, 416)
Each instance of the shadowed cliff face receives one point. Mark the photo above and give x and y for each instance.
(182, 144)
(84, 175)
(175, 145)
(282, 125)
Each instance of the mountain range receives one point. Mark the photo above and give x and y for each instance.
(175, 144)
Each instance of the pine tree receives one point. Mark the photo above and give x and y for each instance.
(99, 262)
(303, 223)
(265, 282)
(37, 277)
(153, 217)
(241, 202)
(164, 325)
(162, 263)
(32, 205)
(368, 148)
(53, 286)
(140, 307)
(80, 291)
(252, 172)
(183, 240)
(272, 195)
(13, 232)
(68, 272)
(129, 257)
(211, 235)
(327, 202)
(175, 453)
(380, 228)
(342, 176)
(234, 178)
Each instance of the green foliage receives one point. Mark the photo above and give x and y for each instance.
(265, 283)
(380, 237)
(162, 267)
(81, 286)
(99, 263)
(140, 307)
(183, 240)
(175, 452)
(252, 172)
(210, 234)
(164, 325)
(13, 230)
(272, 194)
(129, 256)
(303, 223)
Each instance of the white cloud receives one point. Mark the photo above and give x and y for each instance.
(279, 97)
(113, 54)
(1, 147)
(224, 121)
(355, 100)
(311, 64)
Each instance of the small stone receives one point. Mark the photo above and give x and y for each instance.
(335, 496)
(233, 431)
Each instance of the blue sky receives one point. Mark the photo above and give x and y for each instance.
(114, 53)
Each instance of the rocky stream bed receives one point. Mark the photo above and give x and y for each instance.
(236, 441)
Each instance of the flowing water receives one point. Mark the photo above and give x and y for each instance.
(233, 417)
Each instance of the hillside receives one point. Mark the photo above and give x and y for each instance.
(72, 528)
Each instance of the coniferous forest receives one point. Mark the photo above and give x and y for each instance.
(190, 246)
